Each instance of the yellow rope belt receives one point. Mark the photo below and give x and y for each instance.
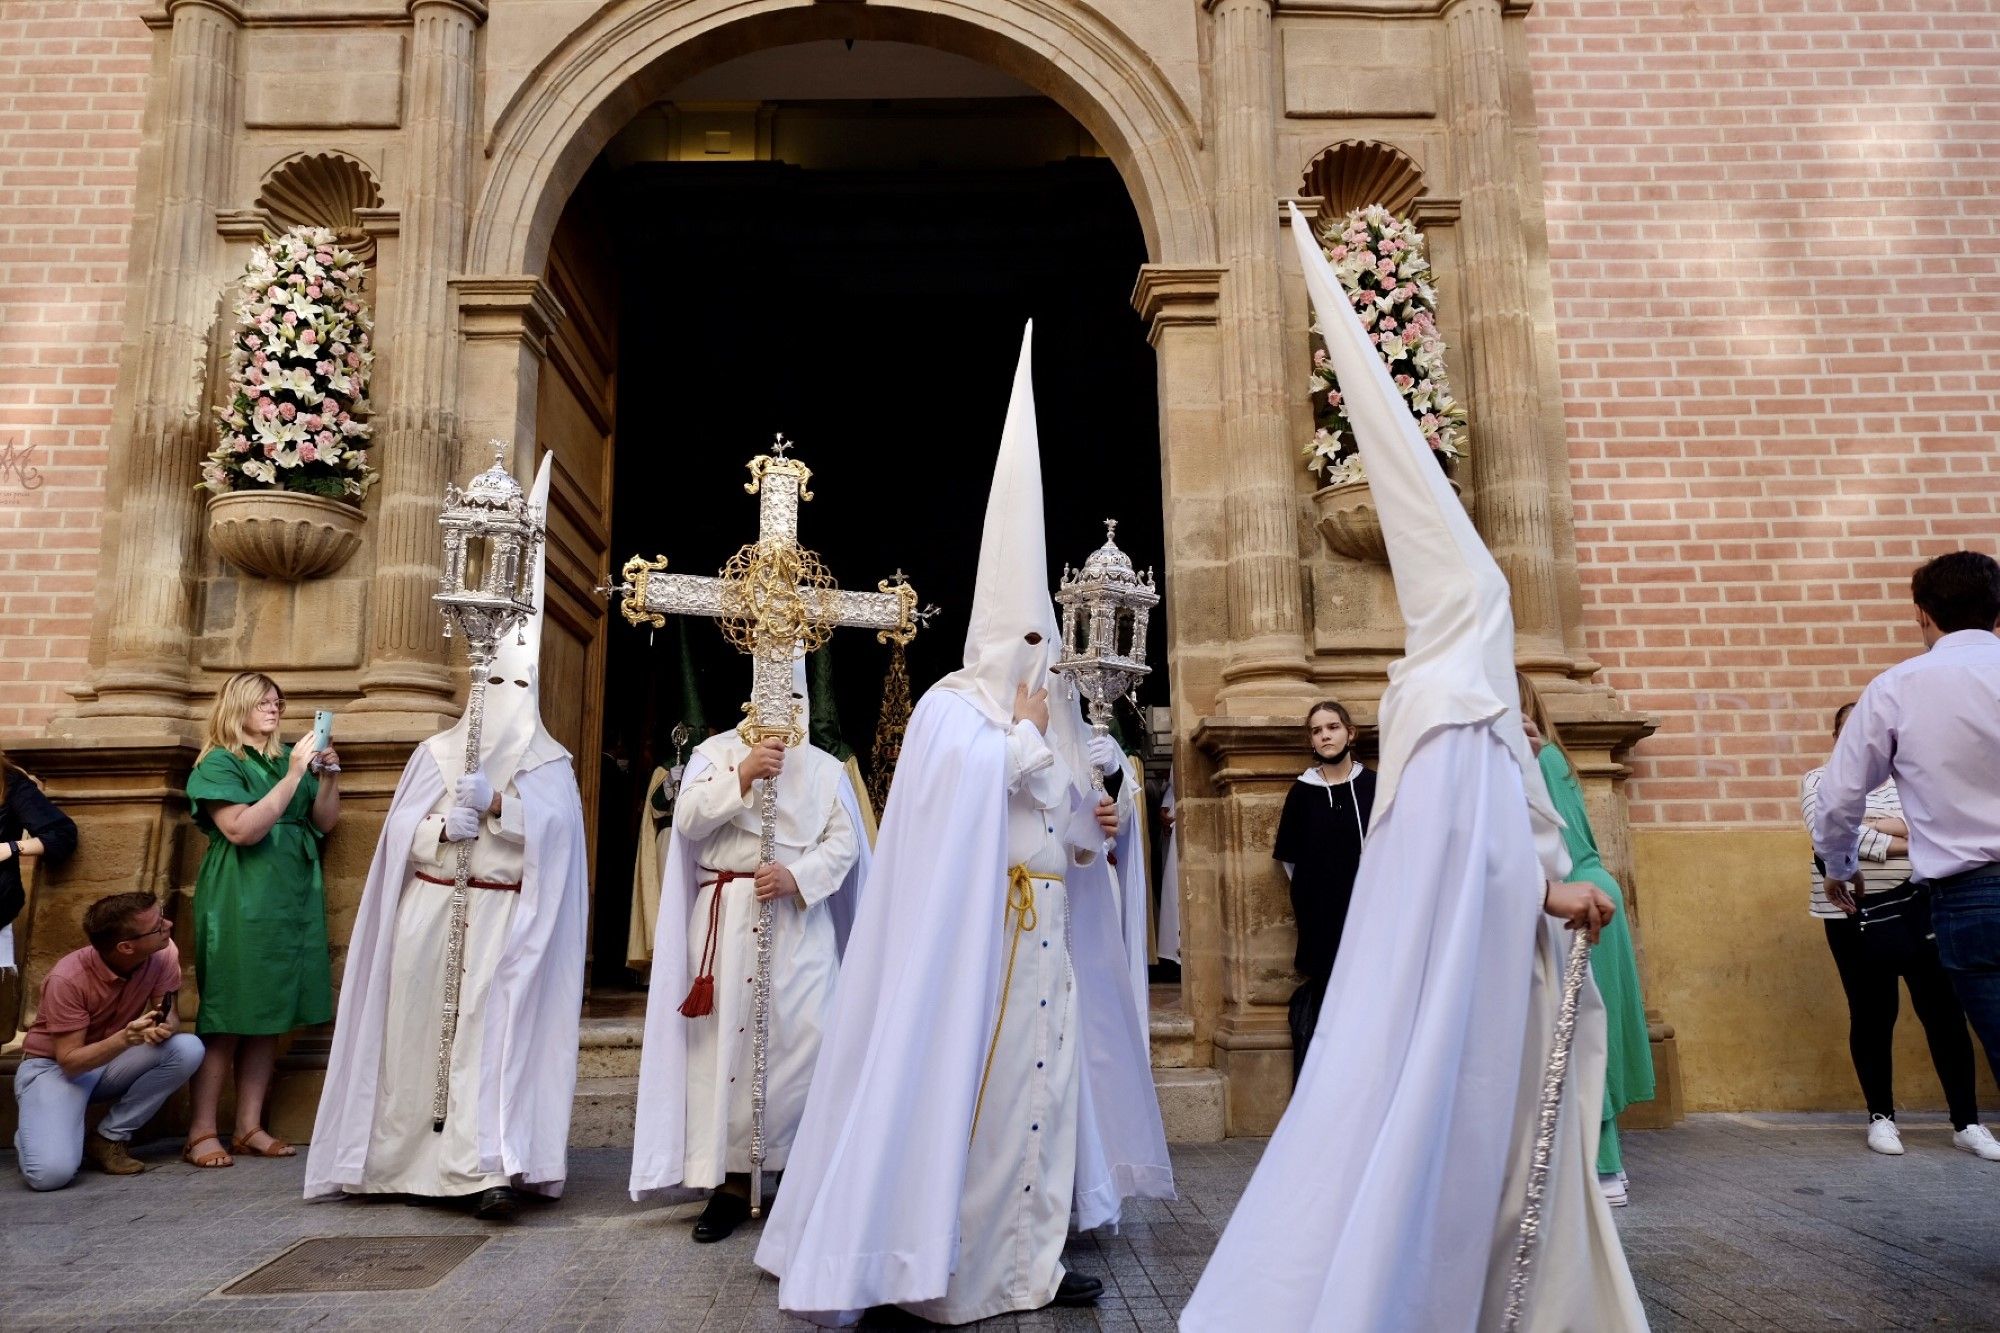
(1021, 906)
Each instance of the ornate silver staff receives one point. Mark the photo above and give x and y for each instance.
(1574, 969)
(1104, 605)
(773, 600)
(487, 589)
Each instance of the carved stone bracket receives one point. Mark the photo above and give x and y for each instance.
(507, 308)
(1176, 294)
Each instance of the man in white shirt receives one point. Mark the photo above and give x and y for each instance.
(1933, 724)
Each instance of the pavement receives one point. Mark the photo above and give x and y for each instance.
(1757, 1222)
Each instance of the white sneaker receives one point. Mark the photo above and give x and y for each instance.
(1613, 1187)
(1979, 1141)
(1884, 1137)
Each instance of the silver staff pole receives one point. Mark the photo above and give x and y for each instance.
(1574, 969)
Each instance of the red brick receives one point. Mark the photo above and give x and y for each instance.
(1772, 245)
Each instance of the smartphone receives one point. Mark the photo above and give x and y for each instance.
(322, 737)
(165, 1008)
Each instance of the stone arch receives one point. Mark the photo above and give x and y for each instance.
(631, 53)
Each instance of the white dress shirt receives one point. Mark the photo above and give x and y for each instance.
(1933, 724)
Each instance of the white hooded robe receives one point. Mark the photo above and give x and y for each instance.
(1391, 1193)
(513, 1066)
(893, 1196)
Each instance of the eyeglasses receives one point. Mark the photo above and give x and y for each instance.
(164, 928)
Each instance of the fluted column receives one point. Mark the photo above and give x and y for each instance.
(1266, 665)
(148, 624)
(406, 669)
(1509, 469)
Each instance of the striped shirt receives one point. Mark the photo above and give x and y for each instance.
(1879, 870)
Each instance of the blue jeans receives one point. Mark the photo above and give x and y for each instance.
(137, 1082)
(1966, 918)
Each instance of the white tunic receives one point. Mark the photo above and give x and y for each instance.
(404, 1155)
(1021, 1166)
(714, 812)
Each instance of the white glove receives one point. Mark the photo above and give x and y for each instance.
(474, 792)
(1104, 753)
(461, 824)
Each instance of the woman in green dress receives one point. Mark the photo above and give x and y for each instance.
(260, 944)
(1628, 1074)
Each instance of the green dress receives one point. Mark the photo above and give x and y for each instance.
(1628, 1072)
(260, 945)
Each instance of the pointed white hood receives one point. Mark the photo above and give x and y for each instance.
(1458, 654)
(1010, 598)
(511, 737)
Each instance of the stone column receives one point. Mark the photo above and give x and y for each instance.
(1510, 479)
(1266, 668)
(406, 671)
(149, 622)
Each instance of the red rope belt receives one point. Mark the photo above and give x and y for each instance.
(475, 883)
(701, 995)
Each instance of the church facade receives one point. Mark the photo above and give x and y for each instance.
(1703, 564)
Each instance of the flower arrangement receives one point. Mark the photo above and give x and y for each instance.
(1379, 259)
(298, 370)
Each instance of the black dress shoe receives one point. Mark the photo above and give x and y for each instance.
(725, 1213)
(494, 1205)
(1076, 1289)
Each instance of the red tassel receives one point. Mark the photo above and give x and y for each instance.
(701, 998)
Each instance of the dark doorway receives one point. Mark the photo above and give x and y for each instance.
(874, 318)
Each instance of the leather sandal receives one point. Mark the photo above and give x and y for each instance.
(276, 1148)
(207, 1161)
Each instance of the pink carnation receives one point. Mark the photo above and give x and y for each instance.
(287, 411)
(307, 453)
(266, 408)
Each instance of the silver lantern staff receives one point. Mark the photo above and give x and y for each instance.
(487, 589)
(774, 599)
(1104, 609)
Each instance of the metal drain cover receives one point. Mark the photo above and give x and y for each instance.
(358, 1263)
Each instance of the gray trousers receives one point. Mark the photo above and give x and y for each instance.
(137, 1083)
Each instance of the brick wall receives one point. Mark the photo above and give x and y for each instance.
(72, 88)
(1776, 258)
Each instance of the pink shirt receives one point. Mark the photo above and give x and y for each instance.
(1933, 724)
(83, 995)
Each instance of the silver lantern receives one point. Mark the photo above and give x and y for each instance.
(486, 591)
(1105, 605)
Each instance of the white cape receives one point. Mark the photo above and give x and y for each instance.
(1427, 1059)
(659, 1143)
(534, 1006)
(869, 1210)
(1135, 885)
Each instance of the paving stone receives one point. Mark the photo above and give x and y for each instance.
(1738, 1222)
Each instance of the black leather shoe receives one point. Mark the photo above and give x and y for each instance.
(494, 1205)
(725, 1213)
(1076, 1289)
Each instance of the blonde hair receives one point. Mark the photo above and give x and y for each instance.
(1538, 713)
(228, 721)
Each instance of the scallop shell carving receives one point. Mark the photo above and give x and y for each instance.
(322, 190)
(1359, 172)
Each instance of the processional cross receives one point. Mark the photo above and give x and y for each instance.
(773, 600)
